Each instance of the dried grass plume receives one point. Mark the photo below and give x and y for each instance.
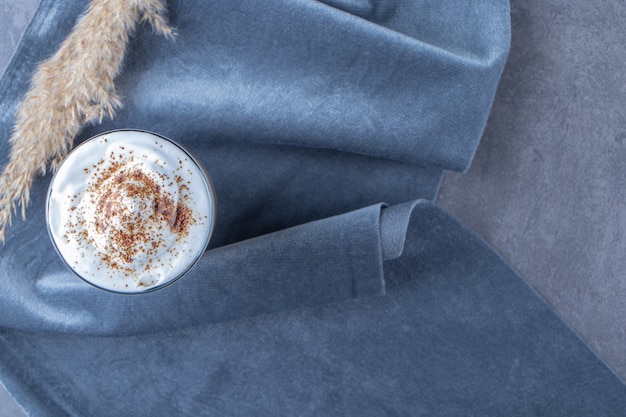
(70, 89)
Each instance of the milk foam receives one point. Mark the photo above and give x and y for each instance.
(129, 211)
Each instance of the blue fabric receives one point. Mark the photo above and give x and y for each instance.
(332, 285)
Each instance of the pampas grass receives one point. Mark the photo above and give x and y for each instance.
(70, 89)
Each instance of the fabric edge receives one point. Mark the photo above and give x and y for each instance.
(429, 205)
(29, 34)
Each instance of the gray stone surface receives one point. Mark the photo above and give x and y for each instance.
(548, 185)
(8, 407)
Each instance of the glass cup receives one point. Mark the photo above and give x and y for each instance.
(130, 211)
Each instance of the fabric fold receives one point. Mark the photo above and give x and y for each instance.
(325, 261)
(403, 82)
(326, 79)
(457, 333)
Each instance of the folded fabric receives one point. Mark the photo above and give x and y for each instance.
(300, 111)
(458, 333)
(332, 286)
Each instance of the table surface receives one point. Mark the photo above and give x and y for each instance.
(547, 186)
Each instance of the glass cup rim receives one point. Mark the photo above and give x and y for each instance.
(208, 182)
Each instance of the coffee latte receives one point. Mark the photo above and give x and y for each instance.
(130, 211)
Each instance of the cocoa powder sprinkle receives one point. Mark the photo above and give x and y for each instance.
(113, 186)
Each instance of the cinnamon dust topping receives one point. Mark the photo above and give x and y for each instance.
(133, 210)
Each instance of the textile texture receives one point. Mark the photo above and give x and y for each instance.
(332, 285)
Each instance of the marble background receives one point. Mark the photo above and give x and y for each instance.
(548, 185)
